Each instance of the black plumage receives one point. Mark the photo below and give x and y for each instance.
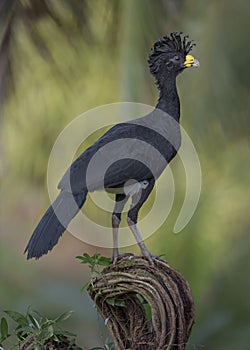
(137, 151)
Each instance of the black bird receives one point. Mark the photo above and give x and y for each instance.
(138, 152)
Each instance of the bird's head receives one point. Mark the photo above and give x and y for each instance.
(170, 56)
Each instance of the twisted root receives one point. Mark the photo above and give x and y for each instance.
(124, 293)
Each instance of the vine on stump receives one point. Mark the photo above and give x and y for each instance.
(145, 306)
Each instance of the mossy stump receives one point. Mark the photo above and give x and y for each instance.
(125, 292)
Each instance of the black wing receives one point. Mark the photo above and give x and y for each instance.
(126, 151)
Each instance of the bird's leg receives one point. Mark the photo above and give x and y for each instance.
(138, 200)
(121, 200)
(115, 225)
(139, 240)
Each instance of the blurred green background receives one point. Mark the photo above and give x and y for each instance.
(59, 59)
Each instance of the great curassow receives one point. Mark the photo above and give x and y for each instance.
(134, 167)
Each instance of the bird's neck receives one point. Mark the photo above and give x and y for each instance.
(169, 100)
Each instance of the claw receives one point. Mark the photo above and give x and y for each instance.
(114, 261)
(149, 257)
(115, 257)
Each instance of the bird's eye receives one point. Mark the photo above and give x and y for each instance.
(177, 58)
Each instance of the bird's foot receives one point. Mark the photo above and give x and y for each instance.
(150, 258)
(117, 257)
(145, 252)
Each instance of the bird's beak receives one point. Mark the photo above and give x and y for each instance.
(191, 62)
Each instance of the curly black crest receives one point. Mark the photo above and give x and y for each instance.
(172, 43)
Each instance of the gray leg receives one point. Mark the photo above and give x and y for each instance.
(137, 201)
(115, 225)
(121, 200)
(139, 240)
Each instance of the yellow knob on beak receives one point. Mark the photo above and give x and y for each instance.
(191, 62)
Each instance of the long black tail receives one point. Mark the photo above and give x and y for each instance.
(54, 223)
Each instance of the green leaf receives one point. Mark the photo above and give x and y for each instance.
(116, 302)
(148, 311)
(55, 338)
(47, 323)
(65, 333)
(85, 258)
(46, 333)
(95, 274)
(111, 301)
(109, 346)
(96, 259)
(64, 316)
(104, 261)
(85, 286)
(146, 306)
(4, 329)
(17, 317)
(34, 321)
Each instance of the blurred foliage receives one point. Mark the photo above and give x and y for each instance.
(34, 331)
(58, 61)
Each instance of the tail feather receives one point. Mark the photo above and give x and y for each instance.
(54, 223)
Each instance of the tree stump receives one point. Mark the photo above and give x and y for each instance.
(144, 306)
